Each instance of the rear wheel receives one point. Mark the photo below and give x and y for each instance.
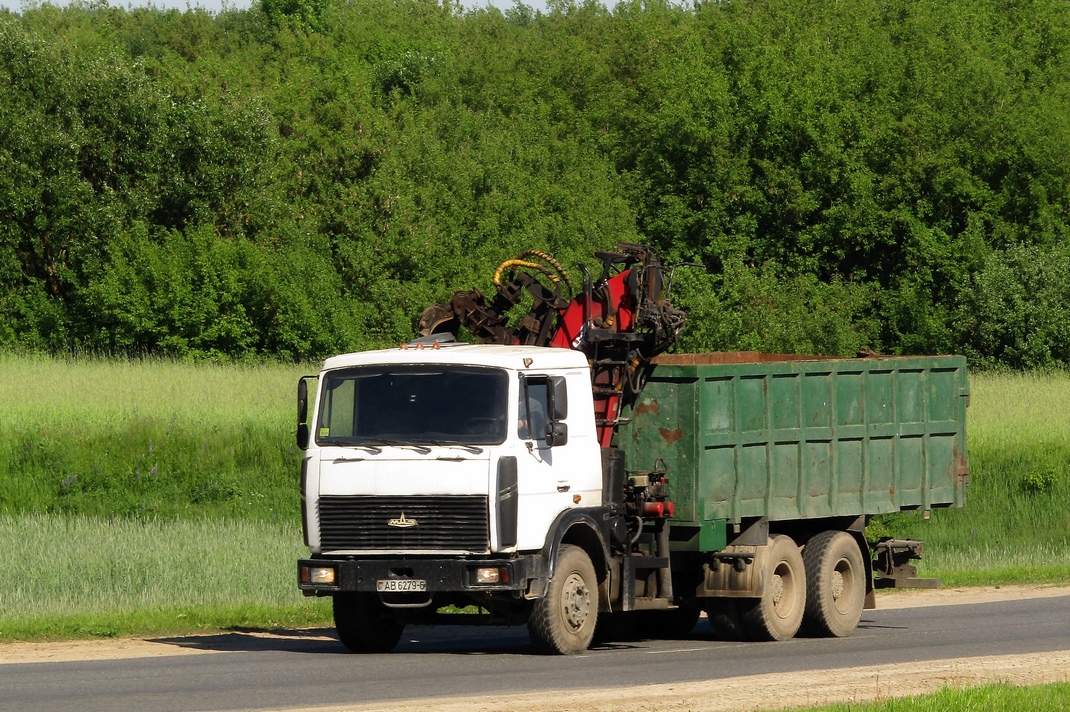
(725, 619)
(778, 614)
(668, 625)
(364, 624)
(563, 621)
(618, 626)
(835, 584)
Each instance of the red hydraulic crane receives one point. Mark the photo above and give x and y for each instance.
(621, 319)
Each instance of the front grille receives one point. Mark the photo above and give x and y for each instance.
(445, 522)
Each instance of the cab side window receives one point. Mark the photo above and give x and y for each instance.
(534, 407)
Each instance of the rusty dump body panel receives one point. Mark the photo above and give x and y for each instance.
(746, 435)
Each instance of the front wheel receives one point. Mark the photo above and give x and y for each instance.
(364, 624)
(563, 621)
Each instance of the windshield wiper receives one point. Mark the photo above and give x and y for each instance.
(334, 442)
(400, 443)
(339, 442)
(474, 449)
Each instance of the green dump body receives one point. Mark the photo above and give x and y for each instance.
(745, 435)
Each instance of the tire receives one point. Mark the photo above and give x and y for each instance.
(668, 625)
(835, 584)
(563, 622)
(725, 619)
(778, 614)
(617, 627)
(364, 624)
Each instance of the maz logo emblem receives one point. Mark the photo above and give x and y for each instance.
(402, 522)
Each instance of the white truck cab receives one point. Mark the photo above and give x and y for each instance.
(446, 473)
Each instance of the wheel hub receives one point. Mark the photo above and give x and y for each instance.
(777, 589)
(577, 601)
(837, 585)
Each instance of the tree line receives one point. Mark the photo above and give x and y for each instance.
(301, 178)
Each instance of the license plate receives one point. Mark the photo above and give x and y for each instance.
(400, 585)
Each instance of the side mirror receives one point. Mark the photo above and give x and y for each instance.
(302, 401)
(560, 396)
(557, 431)
(542, 399)
(302, 413)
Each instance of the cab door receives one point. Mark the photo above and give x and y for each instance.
(545, 464)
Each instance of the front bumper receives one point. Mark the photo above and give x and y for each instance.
(442, 575)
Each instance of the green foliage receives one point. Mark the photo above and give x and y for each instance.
(298, 14)
(303, 177)
(1017, 313)
(199, 294)
(757, 309)
(1042, 482)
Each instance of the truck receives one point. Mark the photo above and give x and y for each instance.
(566, 471)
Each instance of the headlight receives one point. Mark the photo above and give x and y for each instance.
(486, 576)
(318, 575)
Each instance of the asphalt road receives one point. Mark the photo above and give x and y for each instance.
(249, 672)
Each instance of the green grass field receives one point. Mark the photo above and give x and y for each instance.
(148, 438)
(989, 698)
(75, 576)
(1014, 527)
(148, 497)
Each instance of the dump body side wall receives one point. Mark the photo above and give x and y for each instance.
(797, 439)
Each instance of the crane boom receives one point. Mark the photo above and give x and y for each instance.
(621, 320)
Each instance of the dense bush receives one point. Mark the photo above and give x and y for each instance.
(304, 176)
(1017, 310)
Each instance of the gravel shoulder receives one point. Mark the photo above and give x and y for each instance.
(755, 692)
(765, 692)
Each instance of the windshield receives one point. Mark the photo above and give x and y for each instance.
(414, 405)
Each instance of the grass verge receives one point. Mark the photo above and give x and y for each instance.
(1039, 698)
(95, 577)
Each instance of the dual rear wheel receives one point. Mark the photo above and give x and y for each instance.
(820, 589)
(835, 584)
(778, 614)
